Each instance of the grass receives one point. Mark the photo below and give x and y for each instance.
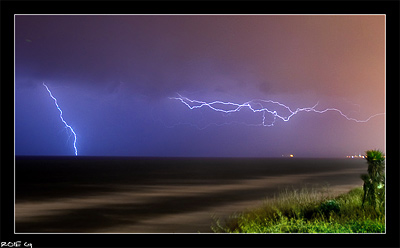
(307, 211)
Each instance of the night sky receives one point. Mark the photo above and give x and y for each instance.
(113, 76)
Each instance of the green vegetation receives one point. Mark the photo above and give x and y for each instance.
(374, 181)
(308, 211)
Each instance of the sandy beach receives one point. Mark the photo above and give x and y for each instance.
(155, 196)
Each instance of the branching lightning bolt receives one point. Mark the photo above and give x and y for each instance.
(256, 106)
(62, 119)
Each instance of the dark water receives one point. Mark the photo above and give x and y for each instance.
(149, 195)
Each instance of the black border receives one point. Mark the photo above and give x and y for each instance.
(390, 8)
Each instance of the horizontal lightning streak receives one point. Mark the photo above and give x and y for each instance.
(235, 107)
(62, 119)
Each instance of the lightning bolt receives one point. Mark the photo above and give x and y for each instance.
(258, 106)
(61, 117)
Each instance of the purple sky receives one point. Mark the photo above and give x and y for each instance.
(113, 76)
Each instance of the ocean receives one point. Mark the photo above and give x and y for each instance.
(160, 195)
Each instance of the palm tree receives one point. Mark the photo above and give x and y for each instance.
(374, 181)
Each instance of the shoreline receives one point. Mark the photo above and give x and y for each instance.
(180, 207)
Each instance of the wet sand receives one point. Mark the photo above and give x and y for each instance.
(144, 195)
